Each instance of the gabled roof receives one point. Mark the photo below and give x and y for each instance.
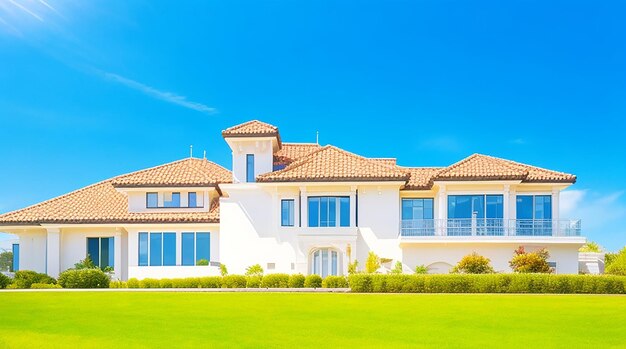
(190, 172)
(254, 128)
(421, 178)
(482, 167)
(102, 203)
(291, 152)
(330, 163)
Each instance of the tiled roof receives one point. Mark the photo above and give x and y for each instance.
(421, 177)
(254, 128)
(330, 163)
(386, 161)
(190, 172)
(101, 203)
(483, 167)
(291, 152)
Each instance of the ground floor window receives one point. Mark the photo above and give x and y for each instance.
(16, 258)
(325, 262)
(196, 248)
(157, 249)
(100, 251)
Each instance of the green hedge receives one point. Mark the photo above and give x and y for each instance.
(313, 281)
(25, 278)
(44, 286)
(335, 282)
(253, 281)
(488, 283)
(275, 281)
(296, 281)
(84, 278)
(4, 281)
(234, 281)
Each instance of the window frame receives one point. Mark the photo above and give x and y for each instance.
(148, 199)
(195, 199)
(291, 214)
(162, 250)
(15, 262)
(194, 247)
(111, 251)
(331, 216)
(250, 177)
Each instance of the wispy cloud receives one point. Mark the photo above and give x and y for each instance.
(26, 10)
(517, 141)
(158, 94)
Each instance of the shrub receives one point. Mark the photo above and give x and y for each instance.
(397, 268)
(335, 282)
(618, 264)
(86, 263)
(223, 270)
(353, 267)
(149, 283)
(590, 247)
(254, 270)
(84, 278)
(421, 269)
(202, 262)
(313, 281)
(210, 282)
(234, 281)
(25, 278)
(275, 281)
(296, 281)
(530, 262)
(253, 281)
(44, 286)
(132, 283)
(4, 281)
(473, 264)
(373, 263)
(118, 284)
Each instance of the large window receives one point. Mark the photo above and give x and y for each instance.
(417, 217)
(287, 212)
(475, 215)
(195, 247)
(16, 258)
(329, 211)
(173, 200)
(534, 215)
(157, 249)
(250, 168)
(100, 251)
(325, 262)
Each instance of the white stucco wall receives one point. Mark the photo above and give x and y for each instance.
(33, 250)
(263, 156)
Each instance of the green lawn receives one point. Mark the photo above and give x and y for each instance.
(293, 320)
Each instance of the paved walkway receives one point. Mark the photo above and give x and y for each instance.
(260, 290)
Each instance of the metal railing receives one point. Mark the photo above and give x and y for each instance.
(490, 227)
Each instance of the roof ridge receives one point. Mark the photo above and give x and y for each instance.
(536, 167)
(475, 155)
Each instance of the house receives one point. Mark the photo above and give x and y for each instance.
(298, 208)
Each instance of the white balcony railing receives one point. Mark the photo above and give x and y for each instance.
(489, 227)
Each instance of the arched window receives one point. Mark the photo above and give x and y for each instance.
(324, 262)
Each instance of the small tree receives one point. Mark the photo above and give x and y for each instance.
(397, 269)
(473, 263)
(590, 247)
(86, 263)
(223, 270)
(373, 263)
(353, 267)
(530, 262)
(617, 264)
(421, 269)
(254, 270)
(202, 262)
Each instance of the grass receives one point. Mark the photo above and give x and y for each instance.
(290, 320)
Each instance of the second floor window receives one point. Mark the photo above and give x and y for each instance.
(413, 209)
(152, 200)
(287, 212)
(537, 207)
(250, 168)
(475, 206)
(171, 199)
(192, 199)
(329, 211)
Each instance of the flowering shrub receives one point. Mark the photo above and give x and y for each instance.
(473, 264)
(530, 262)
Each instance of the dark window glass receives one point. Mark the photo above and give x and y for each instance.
(16, 258)
(192, 199)
(156, 240)
(314, 211)
(106, 252)
(203, 246)
(143, 249)
(187, 242)
(417, 209)
(173, 201)
(250, 168)
(169, 248)
(152, 200)
(344, 211)
(287, 212)
(524, 207)
(93, 250)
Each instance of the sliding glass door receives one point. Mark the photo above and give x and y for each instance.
(475, 215)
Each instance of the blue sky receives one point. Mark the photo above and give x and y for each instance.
(90, 90)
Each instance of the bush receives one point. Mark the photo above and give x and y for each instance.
(132, 283)
(234, 281)
(617, 265)
(118, 284)
(296, 281)
(421, 269)
(150, 283)
(254, 270)
(4, 281)
(488, 283)
(202, 262)
(275, 281)
(590, 247)
(86, 263)
(397, 268)
(473, 264)
(253, 281)
(223, 270)
(210, 282)
(313, 281)
(372, 264)
(25, 278)
(84, 278)
(353, 267)
(530, 262)
(335, 282)
(44, 286)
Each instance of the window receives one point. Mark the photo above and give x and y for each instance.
(192, 199)
(271, 266)
(413, 209)
(195, 247)
(325, 262)
(534, 215)
(171, 199)
(250, 168)
(152, 200)
(324, 210)
(287, 212)
(475, 215)
(157, 249)
(100, 251)
(16, 258)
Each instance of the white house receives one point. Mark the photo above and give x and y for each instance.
(298, 208)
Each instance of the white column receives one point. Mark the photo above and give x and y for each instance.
(53, 252)
(117, 254)
(506, 213)
(555, 212)
(512, 225)
(442, 212)
(353, 206)
(303, 208)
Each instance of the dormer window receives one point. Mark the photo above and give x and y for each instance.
(152, 200)
(171, 199)
(250, 168)
(192, 199)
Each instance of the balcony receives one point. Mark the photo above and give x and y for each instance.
(490, 227)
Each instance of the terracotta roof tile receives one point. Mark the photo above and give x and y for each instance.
(421, 178)
(190, 172)
(330, 163)
(254, 128)
(291, 152)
